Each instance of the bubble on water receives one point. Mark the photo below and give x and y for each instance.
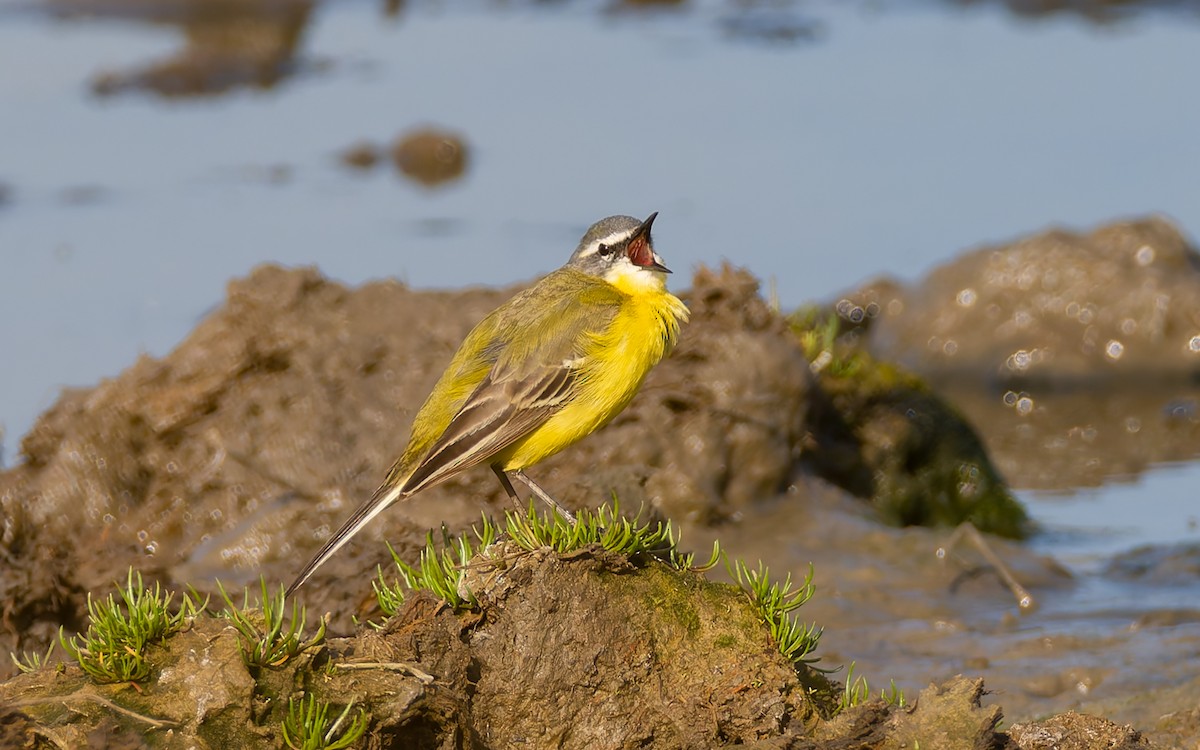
(1194, 344)
(152, 548)
(1129, 326)
(1133, 425)
(1010, 398)
(950, 347)
(1019, 360)
(967, 297)
(172, 467)
(872, 309)
(143, 535)
(1024, 405)
(109, 518)
(1144, 255)
(1114, 349)
(895, 307)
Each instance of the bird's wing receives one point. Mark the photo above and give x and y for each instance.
(518, 367)
(538, 360)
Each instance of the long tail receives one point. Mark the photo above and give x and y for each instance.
(387, 494)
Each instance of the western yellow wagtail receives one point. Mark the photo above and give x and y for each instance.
(553, 364)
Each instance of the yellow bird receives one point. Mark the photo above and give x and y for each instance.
(550, 366)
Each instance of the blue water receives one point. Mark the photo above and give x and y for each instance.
(891, 140)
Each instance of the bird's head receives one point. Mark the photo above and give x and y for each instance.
(619, 250)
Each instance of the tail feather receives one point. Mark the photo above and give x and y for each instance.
(383, 497)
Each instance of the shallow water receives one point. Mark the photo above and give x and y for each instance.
(818, 143)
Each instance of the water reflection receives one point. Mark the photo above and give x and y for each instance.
(1097, 11)
(234, 44)
(1060, 440)
(229, 44)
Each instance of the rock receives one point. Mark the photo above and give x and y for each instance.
(1078, 352)
(431, 156)
(1120, 302)
(1073, 731)
(1159, 565)
(361, 155)
(880, 433)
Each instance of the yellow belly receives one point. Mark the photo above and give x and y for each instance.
(613, 368)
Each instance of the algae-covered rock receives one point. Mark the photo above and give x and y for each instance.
(881, 433)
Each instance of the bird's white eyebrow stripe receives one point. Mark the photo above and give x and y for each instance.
(610, 239)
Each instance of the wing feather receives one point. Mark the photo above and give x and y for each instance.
(537, 364)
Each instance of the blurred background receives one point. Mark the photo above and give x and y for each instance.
(152, 150)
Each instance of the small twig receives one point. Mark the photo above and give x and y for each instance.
(156, 723)
(967, 529)
(394, 666)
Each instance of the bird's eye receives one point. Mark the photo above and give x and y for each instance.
(604, 250)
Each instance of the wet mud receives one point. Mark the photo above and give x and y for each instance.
(240, 451)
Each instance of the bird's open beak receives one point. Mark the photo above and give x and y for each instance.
(640, 251)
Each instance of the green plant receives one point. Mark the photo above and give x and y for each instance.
(855, 691)
(775, 603)
(442, 572)
(893, 695)
(32, 661)
(113, 648)
(307, 726)
(818, 334)
(439, 572)
(269, 644)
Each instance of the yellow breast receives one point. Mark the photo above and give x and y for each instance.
(612, 369)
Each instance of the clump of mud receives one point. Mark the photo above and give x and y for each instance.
(581, 651)
(428, 156)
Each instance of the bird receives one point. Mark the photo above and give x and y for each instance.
(548, 367)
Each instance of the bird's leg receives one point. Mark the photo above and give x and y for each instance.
(545, 496)
(508, 488)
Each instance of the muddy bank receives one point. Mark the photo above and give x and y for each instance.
(1079, 351)
(239, 452)
(588, 649)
